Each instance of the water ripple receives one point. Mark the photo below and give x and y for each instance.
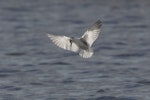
(68, 80)
(10, 88)
(112, 98)
(16, 54)
(144, 82)
(60, 63)
(126, 55)
(9, 70)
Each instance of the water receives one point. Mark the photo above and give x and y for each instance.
(32, 68)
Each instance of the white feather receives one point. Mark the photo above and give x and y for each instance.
(63, 42)
(85, 53)
(92, 33)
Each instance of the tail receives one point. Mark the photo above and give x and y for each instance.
(86, 53)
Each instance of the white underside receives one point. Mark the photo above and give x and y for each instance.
(86, 53)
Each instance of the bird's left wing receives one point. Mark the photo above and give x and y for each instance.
(92, 33)
(63, 42)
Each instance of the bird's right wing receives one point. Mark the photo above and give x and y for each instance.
(64, 42)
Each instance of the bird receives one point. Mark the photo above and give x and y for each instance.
(82, 45)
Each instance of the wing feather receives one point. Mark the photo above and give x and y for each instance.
(63, 42)
(92, 33)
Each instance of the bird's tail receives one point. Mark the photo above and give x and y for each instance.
(86, 53)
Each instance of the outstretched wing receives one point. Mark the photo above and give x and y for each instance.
(92, 33)
(64, 42)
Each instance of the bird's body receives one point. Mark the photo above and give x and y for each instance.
(81, 45)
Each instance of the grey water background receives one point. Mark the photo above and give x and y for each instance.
(32, 68)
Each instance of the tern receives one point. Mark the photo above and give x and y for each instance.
(81, 45)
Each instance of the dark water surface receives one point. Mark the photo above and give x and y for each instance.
(32, 68)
